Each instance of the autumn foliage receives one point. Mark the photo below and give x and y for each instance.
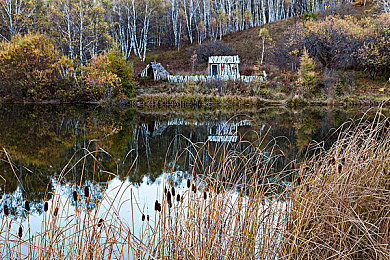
(28, 68)
(340, 43)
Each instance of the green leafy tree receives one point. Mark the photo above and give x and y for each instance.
(118, 65)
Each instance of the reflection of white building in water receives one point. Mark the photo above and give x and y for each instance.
(223, 131)
(227, 131)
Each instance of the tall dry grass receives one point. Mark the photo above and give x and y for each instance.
(341, 208)
(334, 205)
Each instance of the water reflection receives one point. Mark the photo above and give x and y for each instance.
(90, 145)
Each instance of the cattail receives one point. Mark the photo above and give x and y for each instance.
(188, 183)
(159, 207)
(165, 190)
(55, 212)
(6, 211)
(173, 192)
(27, 205)
(193, 188)
(169, 197)
(178, 198)
(86, 191)
(147, 217)
(75, 196)
(20, 233)
(292, 165)
(332, 161)
(204, 195)
(100, 222)
(45, 206)
(156, 205)
(143, 217)
(340, 168)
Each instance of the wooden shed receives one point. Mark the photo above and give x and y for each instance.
(155, 71)
(224, 66)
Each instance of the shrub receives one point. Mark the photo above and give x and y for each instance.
(98, 82)
(339, 88)
(118, 65)
(213, 48)
(374, 54)
(29, 68)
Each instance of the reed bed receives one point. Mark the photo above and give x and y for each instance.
(240, 205)
(340, 209)
(185, 100)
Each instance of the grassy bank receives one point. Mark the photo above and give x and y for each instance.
(332, 205)
(185, 100)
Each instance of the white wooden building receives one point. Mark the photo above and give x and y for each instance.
(224, 66)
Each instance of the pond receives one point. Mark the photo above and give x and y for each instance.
(57, 150)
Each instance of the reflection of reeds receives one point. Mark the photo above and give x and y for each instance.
(336, 205)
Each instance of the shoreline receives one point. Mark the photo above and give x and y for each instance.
(211, 101)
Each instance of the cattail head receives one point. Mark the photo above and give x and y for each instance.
(204, 195)
(56, 212)
(143, 217)
(147, 217)
(100, 222)
(173, 192)
(178, 198)
(20, 233)
(188, 183)
(86, 191)
(156, 205)
(165, 190)
(27, 205)
(194, 188)
(6, 211)
(74, 196)
(340, 168)
(332, 161)
(169, 197)
(159, 207)
(46, 206)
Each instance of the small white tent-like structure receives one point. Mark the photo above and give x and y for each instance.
(224, 66)
(156, 71)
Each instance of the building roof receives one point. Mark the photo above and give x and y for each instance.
(159, 73)
(224, 59)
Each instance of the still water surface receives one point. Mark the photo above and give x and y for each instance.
(101, 147)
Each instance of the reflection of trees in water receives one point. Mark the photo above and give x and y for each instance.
(44, 138)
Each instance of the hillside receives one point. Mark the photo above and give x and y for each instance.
(246, 43)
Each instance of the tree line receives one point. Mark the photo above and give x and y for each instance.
(82, 28)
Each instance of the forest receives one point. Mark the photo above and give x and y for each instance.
(84, 51)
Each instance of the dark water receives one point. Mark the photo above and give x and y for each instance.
(137, 146)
